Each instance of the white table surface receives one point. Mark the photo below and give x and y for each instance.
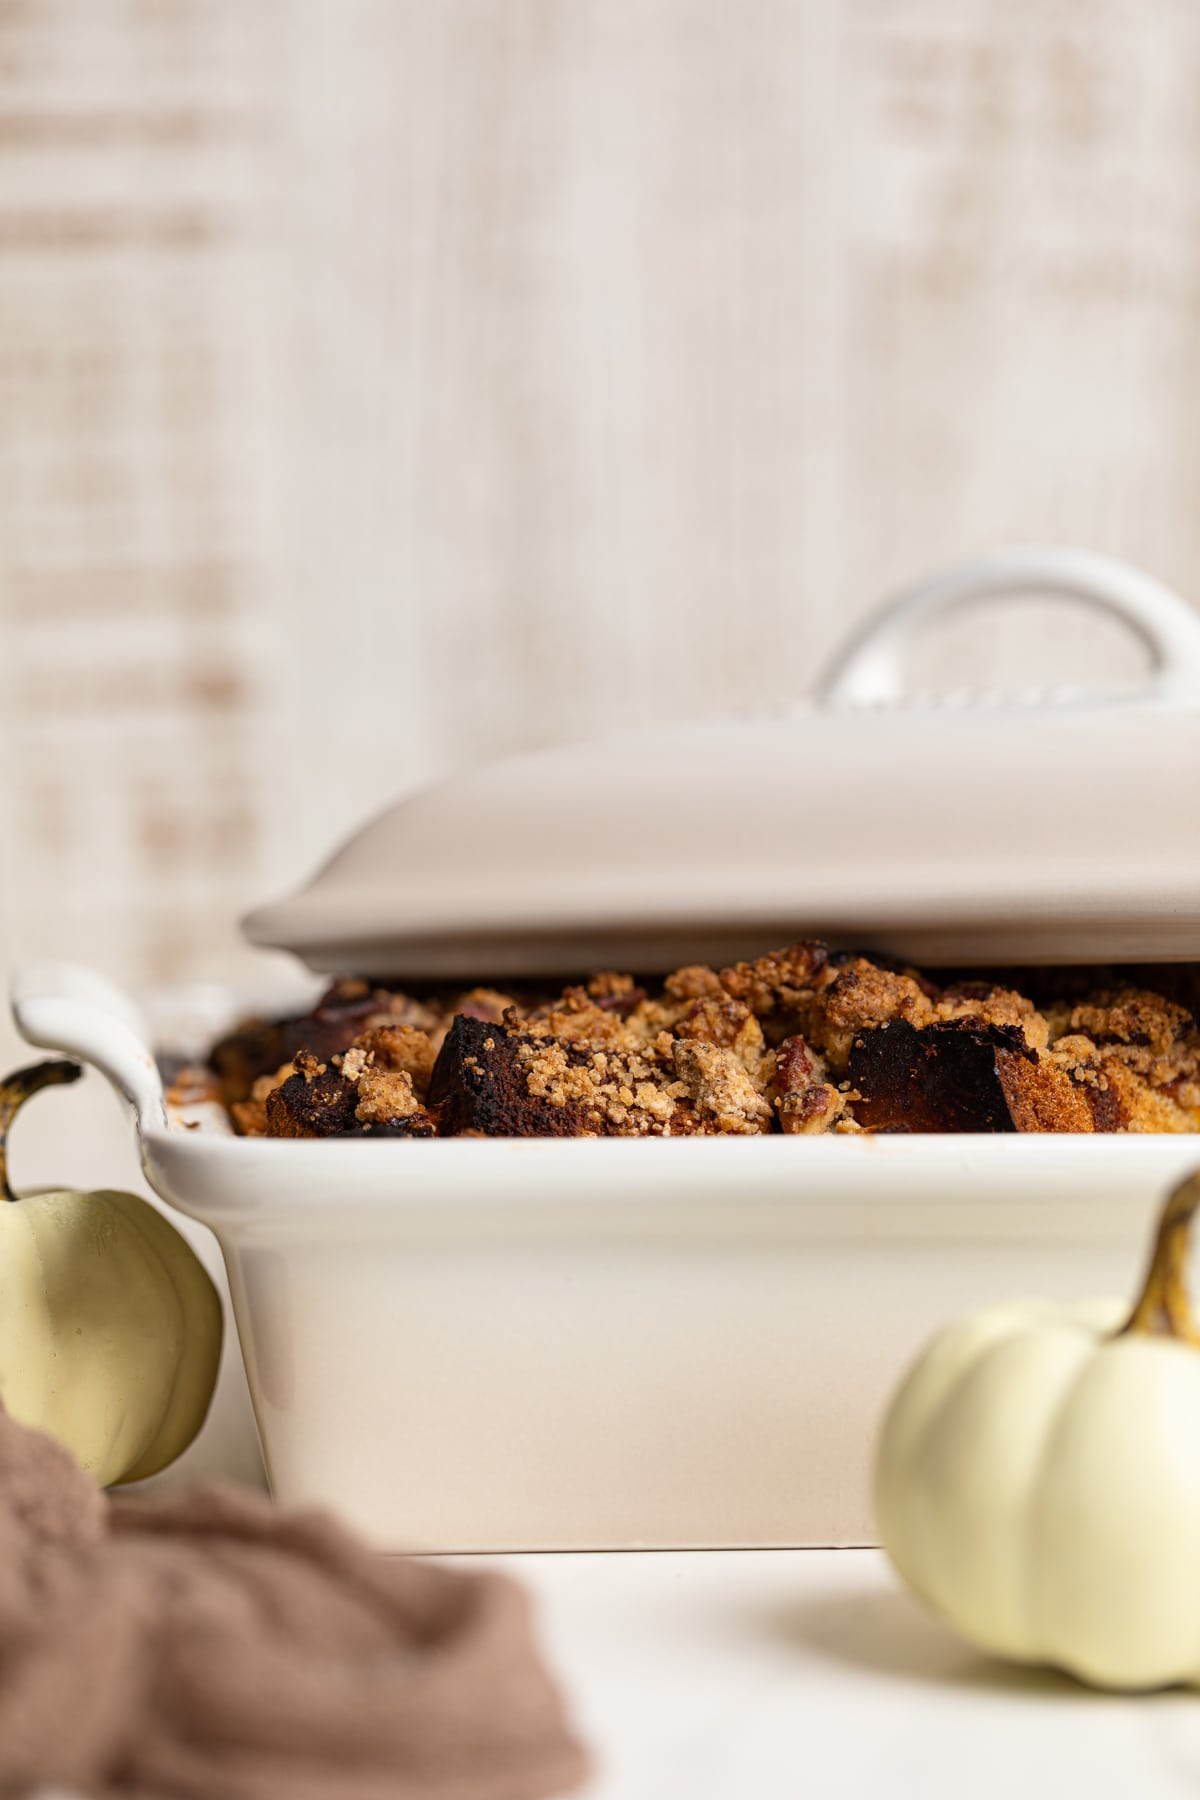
(809, 1675)
(793, 1675)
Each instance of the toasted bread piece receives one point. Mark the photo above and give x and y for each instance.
(479, 1088)
(320, 1101)
(525, 1081)
(942, 1077)
(343, 1014)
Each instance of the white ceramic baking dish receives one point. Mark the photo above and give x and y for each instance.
(538, 1344)
(495, 1344)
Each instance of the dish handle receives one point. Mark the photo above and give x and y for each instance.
(870, 670)
(60, 1006)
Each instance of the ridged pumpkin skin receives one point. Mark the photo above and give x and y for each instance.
(110, 1329)
(1037, 1483)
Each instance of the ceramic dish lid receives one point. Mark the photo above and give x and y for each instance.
(1056, 826)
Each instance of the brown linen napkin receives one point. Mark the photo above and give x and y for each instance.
(213, 1648)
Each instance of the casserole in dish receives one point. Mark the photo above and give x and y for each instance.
(801, 1040)
(506, 1344)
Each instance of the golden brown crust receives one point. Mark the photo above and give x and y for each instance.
(1041, 1096)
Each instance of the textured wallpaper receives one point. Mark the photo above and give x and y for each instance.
(386, 384)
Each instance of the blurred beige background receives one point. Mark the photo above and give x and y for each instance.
(385, 384)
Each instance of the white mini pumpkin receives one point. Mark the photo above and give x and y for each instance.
(1037, 1479)
(110, 1328)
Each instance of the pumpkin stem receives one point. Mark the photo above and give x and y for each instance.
(1163, 1308)
(13, 1094)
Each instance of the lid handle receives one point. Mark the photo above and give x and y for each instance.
(870, 670)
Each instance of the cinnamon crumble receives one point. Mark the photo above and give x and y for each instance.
(802, 1041)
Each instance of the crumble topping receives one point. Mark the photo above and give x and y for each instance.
(801, 1041)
